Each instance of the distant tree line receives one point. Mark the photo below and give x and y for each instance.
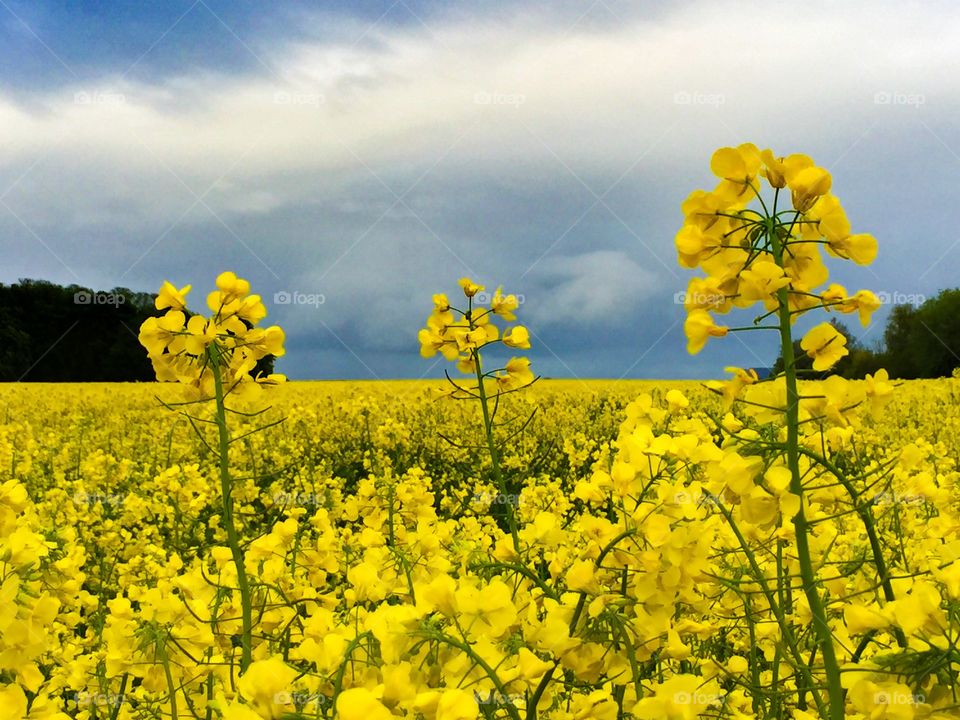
(52, 333)
(918, 342)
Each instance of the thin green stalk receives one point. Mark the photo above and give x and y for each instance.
(534, 701)
(173, 690)
(123, 689)
(866, 517)
(492, 447)
(825, 637)
(754, 664)
(226, 493)
(467, 649)
(778, 612)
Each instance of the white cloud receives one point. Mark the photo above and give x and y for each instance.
(595, 99)
(598, 288)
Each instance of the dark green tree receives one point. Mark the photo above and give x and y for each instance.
(924, 341)
(51, 333)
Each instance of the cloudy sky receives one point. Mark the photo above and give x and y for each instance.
(368, 154)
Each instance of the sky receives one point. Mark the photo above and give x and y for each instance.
(352, 159)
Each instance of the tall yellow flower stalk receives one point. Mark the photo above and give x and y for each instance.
(461, 335)
(214, 359)
(756, 252)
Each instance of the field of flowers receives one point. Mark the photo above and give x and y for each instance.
(372, 537)
(492, 546)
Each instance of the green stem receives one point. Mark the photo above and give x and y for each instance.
(174, 714)
(821, 628)
(534, 701)
(341, 671)
(116, 706)
(467, 649)
(778, 613)
(492, 447)
(866, 517)
(226, 493)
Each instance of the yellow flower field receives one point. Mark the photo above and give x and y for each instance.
(372, 538)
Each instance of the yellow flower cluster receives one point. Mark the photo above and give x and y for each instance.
(41, 606)
(194, 350)
(751, 256)
(460, 334)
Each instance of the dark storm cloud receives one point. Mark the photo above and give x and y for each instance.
(358, 162)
